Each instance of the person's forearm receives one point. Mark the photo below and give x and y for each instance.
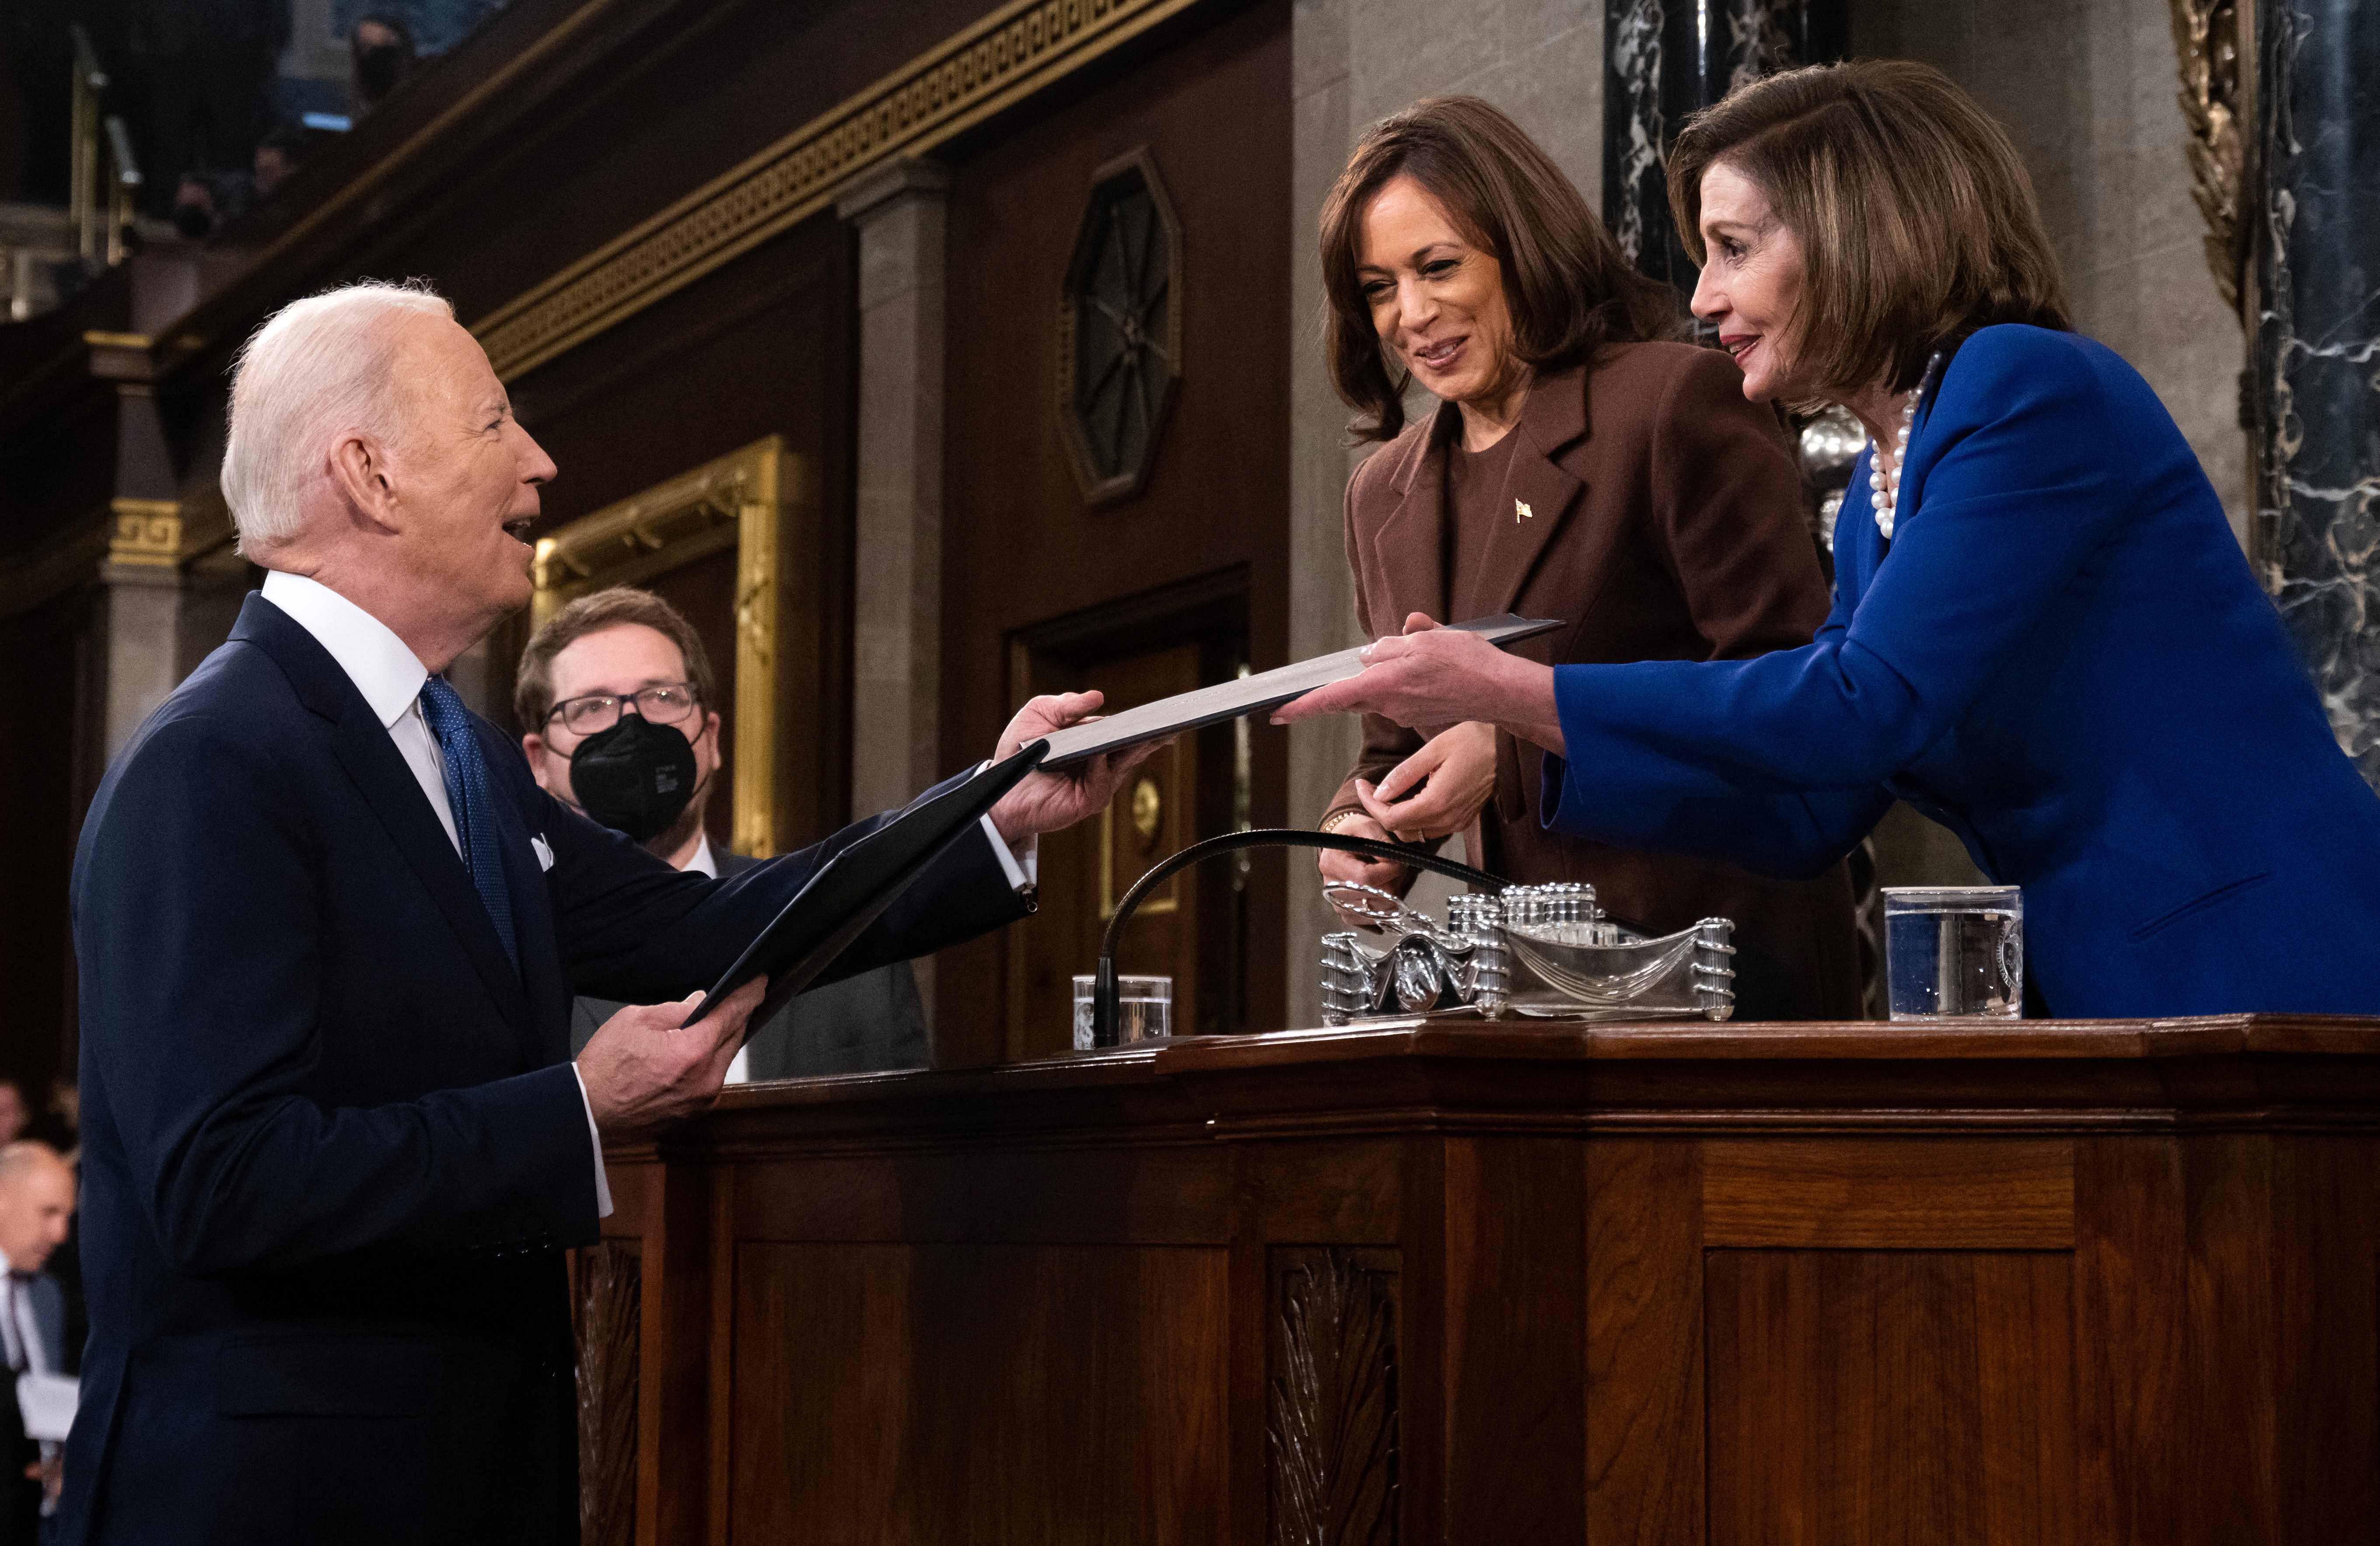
(1523, 703)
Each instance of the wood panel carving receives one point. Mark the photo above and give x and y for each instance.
(1331, 1405)
(606, 1310)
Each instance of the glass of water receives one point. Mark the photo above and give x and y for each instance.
(1144, 1010)
(1954, 950)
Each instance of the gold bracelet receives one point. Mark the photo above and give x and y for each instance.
(1331, 821)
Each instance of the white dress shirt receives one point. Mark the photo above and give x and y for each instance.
(390, 675)
(704, 862)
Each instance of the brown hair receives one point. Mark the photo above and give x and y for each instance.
(533, 686)
(1566, 283)
(1915, 215)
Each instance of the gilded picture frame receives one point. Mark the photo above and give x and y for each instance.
(738, 501)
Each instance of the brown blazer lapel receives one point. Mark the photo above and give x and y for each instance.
(1409, 555)
(1542, 493)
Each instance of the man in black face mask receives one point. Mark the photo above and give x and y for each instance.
(615, 693)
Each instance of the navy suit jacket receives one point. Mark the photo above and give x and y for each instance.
(332, 1148)
(2063, 657)
(20, 1499)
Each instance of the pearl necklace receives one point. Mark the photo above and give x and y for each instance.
(1884, 488)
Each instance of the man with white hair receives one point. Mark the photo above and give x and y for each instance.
(328, 930)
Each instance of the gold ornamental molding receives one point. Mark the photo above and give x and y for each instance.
(166, 533)
(738, 501)
(1010, 54)
(2207, 40)
(148, 534)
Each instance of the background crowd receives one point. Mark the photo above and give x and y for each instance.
(216, 95)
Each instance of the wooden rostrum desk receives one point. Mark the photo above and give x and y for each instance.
(2056, 1282)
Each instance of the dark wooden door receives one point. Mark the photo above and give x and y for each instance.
(1194, 926)
(1030, 553)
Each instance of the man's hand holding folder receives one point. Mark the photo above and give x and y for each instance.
(646, 1068)
(1051, 801)
(650, 1064)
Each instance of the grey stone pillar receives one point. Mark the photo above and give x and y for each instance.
(139, 625)
(2316, 368)
(899, 211)
(1322, 595)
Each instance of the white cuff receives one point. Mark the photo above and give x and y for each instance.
(602, 1183)
(1024, 875)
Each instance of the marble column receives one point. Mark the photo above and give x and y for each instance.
(2316, 364)
(898, 208)
(1663, 60)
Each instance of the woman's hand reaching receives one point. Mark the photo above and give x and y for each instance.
(1430, 675)
(1439, 790)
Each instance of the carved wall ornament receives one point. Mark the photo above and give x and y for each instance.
(606, 1305)
(1330, 1396)
(738, 501)
(1008, 55)
(148, 534)
(2206, 38)
(1120, 330)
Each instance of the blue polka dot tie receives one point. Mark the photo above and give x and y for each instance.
(473, 806)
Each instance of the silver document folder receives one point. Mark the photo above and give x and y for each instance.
(1268, 689)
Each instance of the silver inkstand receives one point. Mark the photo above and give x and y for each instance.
(1542, 952)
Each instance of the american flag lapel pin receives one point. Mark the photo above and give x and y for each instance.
(1521, 511)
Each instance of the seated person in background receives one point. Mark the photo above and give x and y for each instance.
(277, 155)
(381, 44)
(37, 1200)
(616, 693)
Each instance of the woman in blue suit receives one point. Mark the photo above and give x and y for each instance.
(2044, 636)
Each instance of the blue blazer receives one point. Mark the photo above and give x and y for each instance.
(333, 1149)
(2062, 657)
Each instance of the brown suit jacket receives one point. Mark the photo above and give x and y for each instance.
(1663, 522)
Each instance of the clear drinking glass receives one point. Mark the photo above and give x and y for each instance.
(1144, 1010)
(1954, 950)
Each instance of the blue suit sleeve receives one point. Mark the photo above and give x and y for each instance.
(1780, 759)
(202, 973)
(1677, 806)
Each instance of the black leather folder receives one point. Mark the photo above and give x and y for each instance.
(852, 890)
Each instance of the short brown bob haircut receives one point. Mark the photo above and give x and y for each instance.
(1915, 216)
(1566, 284)
(534, 685)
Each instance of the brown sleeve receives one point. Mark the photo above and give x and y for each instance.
(1386, 743)
(1727, 498)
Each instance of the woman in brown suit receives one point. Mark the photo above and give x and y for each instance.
(1576, 468)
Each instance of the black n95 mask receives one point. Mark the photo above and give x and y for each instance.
(635, 777)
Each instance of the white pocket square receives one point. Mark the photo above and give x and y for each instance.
(544, 851)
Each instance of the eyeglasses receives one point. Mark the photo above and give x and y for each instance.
(598, 711)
